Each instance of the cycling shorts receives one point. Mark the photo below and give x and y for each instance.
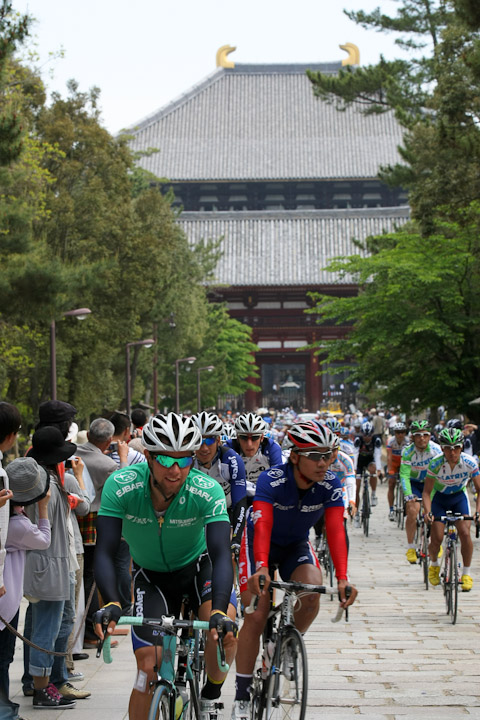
(456, 502)
(286, 558)
(158, 593)
(363, 462)
(417, 488)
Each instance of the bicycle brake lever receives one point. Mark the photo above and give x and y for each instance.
(340, 611)
(100, 642)
(254, 601)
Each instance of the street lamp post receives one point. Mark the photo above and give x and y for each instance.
(172, 325)
(190, 361)
(80, 314)
(128, 394)
(209, 368)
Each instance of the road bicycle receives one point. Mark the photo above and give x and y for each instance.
(179, 677)
(450, 575)
(324, 558)
(280, 681)
(422, 534)
(399, 506)
(365, 506)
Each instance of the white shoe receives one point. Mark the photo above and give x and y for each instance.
(211, 709)
(374, 499)
(241, 710)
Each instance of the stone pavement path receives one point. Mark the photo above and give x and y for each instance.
(399, 657)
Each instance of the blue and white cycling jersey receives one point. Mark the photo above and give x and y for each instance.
(227, 467)
(448, 481)
(294, 513)
(269, 455)
(343, 468)
(348, 448)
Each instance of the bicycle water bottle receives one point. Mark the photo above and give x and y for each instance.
(267, 656)
(181, 702)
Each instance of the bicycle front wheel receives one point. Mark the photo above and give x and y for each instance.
(365, 509)
(447, 579)
(160, 705)
(287, 683)
(424, 554)
(454, 586)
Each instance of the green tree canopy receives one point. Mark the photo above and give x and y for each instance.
(414, 326)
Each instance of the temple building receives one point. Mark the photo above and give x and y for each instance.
(288, 182)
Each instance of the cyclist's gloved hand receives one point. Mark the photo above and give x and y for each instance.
(222, 623)
(109, 613)
(235, 548)
(408, 498)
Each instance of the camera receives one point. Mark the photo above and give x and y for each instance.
(113, 447)
(68, 462)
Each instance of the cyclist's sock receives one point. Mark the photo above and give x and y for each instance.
(211, 690)
(411, 545)
(466, 570)
(435, 563)
(242, 686)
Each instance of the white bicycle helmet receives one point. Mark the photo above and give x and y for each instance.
(171, 433)
(208, 423)
(250, 424)
(306, 436)
(367, 427)
(229, 432)
(399, 427)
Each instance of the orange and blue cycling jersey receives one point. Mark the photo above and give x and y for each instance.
(394, 454)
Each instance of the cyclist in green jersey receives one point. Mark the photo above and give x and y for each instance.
(175, 521)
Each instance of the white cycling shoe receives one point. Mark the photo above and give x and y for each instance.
(211, 709)
(241, 710)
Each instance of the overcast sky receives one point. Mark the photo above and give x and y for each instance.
(146, 53)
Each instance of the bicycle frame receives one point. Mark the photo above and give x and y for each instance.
(450, 575)
(170, 680)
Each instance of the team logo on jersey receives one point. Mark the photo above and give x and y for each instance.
(275, 473)
(182, 500)
(125, 477)
(219, 508)
(203, 482)
(256, 516)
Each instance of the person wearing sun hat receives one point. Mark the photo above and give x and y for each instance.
(29, 484)
(49, 581)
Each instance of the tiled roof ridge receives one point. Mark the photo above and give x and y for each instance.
(381, 212)
(220, 72)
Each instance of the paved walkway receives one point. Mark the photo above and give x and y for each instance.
(399, 657)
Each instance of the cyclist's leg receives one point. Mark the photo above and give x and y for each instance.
(299, 563)
(211, 662)
(466, 544)
(310, 605)
(392, 481)
(436, 538)
(372, 471)
(141, 696)
(412, 510)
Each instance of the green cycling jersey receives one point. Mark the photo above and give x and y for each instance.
(170, 541)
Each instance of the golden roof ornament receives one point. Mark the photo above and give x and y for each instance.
(222, 56)
(353, 54)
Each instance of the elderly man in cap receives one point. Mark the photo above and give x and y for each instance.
(29, 484)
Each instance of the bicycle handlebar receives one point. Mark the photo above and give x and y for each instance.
(291, 587)
(168, 624)
(452, 518)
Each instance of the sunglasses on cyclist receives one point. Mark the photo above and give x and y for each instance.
(317, 456)
(168, 462)
(208, 441)
(254, 438)
(452, 447)
(421, 434)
